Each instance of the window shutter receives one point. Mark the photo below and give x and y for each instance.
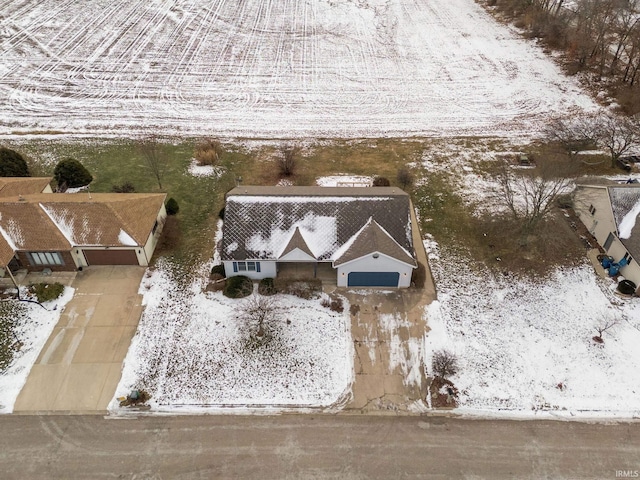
(257, 266)
(235, 266)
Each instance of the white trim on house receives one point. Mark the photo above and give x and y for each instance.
(367, 263)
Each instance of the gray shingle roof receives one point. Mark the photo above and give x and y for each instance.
(297, 241)
(623, 199)
(373, 238)
(259, 222)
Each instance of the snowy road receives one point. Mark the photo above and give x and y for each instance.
(265, 68)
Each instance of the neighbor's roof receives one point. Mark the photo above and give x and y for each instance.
(625, 204)
(14, 186)
(59, 221)
(260, 222)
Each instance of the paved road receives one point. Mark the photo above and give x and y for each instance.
(317, 447)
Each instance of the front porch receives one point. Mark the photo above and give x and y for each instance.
(302, 270)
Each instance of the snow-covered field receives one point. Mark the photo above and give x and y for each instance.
(192, 351)
(35, 324)
(527, 346)
(267, 69)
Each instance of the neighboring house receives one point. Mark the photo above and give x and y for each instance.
(61, 231)
(363, 234)
(610, 212)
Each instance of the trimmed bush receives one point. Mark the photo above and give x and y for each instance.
(238, 287)
(306, 289)
(419, 276)
(218, 269)
(172, 206)
(70, 173)
(381, 182)
(266, 287)
(46, 292)
(12, 164)
(333, 304)
(126, 187)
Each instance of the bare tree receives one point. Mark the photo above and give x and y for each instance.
(603, 327)
(258, 309)
(573, 133)
(404, 177)
(530, 196)
(289, 160)
(617, 134)
(444, 363)
(155, 156)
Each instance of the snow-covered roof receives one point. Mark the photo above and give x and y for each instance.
(262, 221)
(58, 222)
(625, 204)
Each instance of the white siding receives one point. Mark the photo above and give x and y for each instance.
(78, 257)
(601, 223)
(381, 264)
(145, 256)
(267, 270)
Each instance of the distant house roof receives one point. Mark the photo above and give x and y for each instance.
(262, 221)
(60, 221)
(14, 186)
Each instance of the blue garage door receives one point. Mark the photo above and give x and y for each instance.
(373, 279)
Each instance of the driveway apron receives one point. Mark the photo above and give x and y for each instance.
(80, 366)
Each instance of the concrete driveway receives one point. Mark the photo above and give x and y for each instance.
(80, 365)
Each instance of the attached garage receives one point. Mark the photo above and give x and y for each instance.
(373, 279)
(111, 257)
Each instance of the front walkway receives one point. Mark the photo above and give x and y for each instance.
(80, 365)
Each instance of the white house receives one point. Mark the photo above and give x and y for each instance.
(364, 234)
(610, 213)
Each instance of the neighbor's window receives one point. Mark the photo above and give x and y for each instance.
(592, 210)
(45, 258)
(246, 266)
(628, 257)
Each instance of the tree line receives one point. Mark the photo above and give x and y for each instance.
(597, 36)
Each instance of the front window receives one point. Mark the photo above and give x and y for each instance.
(45, 258)
(246, 266)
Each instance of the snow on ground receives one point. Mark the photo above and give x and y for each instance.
(526, 345)
(191, 351)
(203, 170)
(344, 180)
(35, 324)
(304, 68)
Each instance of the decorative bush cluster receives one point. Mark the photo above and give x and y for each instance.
(238, 287)
(46, 292)
(267, 287)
